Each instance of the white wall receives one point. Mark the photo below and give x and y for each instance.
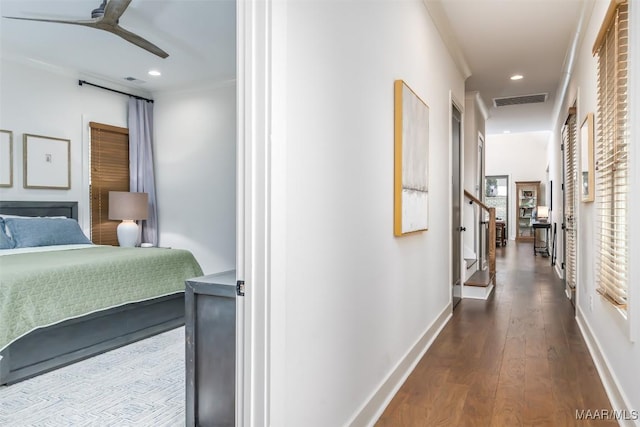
(521, 156)
(474, 128)
(195, 153)
(358, 299)
(610, 337)
(555, 176)
(49, 102)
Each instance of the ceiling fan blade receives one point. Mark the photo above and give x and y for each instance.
(114, 10)
(86, 23)
(137, 40)
(108, 22)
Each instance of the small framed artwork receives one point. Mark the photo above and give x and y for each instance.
(411, 161)
(6, 158)
(47, 162)
(527, 193)
(586, 159)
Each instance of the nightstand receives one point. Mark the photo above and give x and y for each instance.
(210, 332)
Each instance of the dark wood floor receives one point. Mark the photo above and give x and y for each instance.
(517, 359)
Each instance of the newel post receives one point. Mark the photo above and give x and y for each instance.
(492, 244)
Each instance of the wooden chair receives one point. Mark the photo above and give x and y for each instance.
(501, 233)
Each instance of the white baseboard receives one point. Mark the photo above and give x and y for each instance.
(616, 396)
(558, 271)
(477, 292)
(373, 408)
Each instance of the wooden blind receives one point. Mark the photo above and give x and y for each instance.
(612, 190)
(569, 139)
(109, 172)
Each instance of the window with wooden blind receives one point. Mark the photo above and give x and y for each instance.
(109, 172)
(612, 183)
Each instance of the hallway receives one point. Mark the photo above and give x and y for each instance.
(517, 359)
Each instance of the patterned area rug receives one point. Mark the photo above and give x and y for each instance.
(141, 384)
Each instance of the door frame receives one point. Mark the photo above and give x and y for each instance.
(481, 236)
(481, 167)
(259, 326)
(570, 293)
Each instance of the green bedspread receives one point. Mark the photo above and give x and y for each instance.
(43, 288)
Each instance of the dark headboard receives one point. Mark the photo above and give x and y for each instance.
(28, 208)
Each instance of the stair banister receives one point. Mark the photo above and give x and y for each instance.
(491, 238)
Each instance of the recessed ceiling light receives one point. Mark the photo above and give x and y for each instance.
(155, 73)
(506, 131)
(517, 77)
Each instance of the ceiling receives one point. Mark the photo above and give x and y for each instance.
(198, 35)
(500, 38)
(495, 38)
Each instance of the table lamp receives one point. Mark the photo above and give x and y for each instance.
(542, 214)
(128, 207)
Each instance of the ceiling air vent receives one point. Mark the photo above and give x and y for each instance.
(518, 100)
(133, 79)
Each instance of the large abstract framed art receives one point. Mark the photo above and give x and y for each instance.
(411, 161)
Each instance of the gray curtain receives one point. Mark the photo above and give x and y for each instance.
(141, 174)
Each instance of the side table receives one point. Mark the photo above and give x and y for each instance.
(210, 332)
(540, 245)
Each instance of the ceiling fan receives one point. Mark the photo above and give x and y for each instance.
(106, 17)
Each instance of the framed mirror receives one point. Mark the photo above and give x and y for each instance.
(587, 180)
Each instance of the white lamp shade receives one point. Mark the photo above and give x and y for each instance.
(542, 212)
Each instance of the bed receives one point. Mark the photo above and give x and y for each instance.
(63, 303)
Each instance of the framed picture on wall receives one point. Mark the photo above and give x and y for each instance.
(46, 162)
(6, 158)
(587, 180)
(411, 161)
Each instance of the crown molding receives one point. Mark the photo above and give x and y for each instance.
(439, 17)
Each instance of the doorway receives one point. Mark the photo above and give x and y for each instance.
(456, 201)
(496, 195)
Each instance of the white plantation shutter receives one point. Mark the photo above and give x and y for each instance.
(612, 191)
(569, 138)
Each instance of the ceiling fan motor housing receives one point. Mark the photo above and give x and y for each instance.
(99, 12)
